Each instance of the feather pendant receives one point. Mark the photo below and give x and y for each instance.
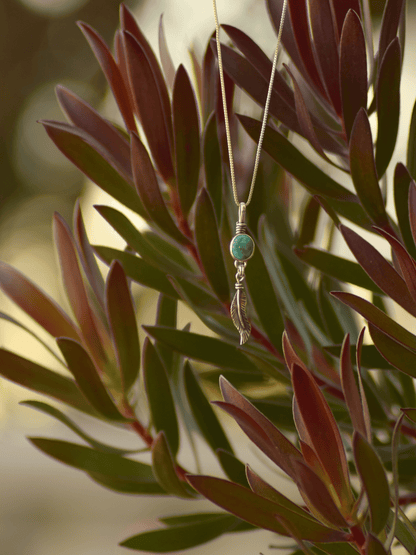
(239, 315)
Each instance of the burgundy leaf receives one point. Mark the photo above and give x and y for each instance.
(167, 64)
(76, 292)
(311, 457)
(323, 431)
(86, 118)
(363, 170)
(366, 412)
(186, 134)
(209, 80)
(389, 24)
(352, 70)
(412, 209)
(402, 183)
(380, 271)
(111, 72)
(37, 304)
(397, 355)
(350, 389)
(149, 192)
(326, 48)
(150, 106)
(341, 10)
(388, 105)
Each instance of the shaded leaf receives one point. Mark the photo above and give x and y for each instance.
(411, 145)
(151, 103)
(181, 536)
(55, 413)
(410, 413)
(159, 396)
(388, 105)
(116, 472)
(350, 389)
(37, 378)
(309, 222)
(389, 25)
(36, 303)
(204, 414)
(399, 356)
(86, 376)
(163, 467)
(213, 165)
(374, 481)
(95, 162)
(165, 58)
(148, 188)
(203, 348)
(259, 511)
(363, 170)
(402, 182)
(373, 546)
(111, 72)
(122, 319)
(209, 246)
(166, 315)
(233, 467)
(186, 135)
(352, 70)
(138, 270)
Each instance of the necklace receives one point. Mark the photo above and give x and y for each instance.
(242, 244)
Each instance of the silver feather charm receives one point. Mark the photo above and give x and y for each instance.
(238, 313)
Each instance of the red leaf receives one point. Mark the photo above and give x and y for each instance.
(366, 412)
(350, 389)
(412, 209)
(111, 72)
(167, 64)
(323, 431)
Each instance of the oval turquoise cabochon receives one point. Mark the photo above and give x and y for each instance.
(242, 247)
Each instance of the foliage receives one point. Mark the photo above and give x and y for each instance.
(349, 423)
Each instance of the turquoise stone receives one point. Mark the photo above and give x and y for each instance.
(242, 247)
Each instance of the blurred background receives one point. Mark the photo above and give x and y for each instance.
(47, 508)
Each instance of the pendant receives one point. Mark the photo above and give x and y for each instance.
(241, 249)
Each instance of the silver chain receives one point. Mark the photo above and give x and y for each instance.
(266, 106)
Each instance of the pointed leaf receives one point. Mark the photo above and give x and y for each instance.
(75, 289)
(186, 135)
(111, 72)
(55, 413)
(159, 396)
(259, 511)
(165, 58)
(203, 348)
(209, 246)
(337, 267)
(36, 303)
(233, 467)
(363, 170)
(122, 319)
(86, 376)
(373, 546)
(204, 414)
(163, 467)
(151, 103)
(378, 318)
(402, 182)
(97, 163)
(379, 270)
(388, 105)
(350, 389)
(389, 25)
(323, 431)
(37, 378)
(352, 70)
(115, 471)
(213, 164)
(148, 188)
(412, 209)
(138, 270)
(166, 315)
(181, 536)
(399, 356)
(374, 481)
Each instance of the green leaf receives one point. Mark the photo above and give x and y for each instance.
(337, 267)
(37, 378)
(181, 536)
(148, 188)
(350, 389)
(411, 145)
(209, 246)
(122, 319)
(55, 413)
(373, 546)
(159, 395)
(109, 469)
(309, 222)
(396, 354)
(86, 376)
(370, 357)
(388, 105)
(167, 249)
(95, 162)
(139, 243)
(166, 315)
(186, 136)
(394, 459)
(363, 170)
(259, 511)
(404, 532)
(204, 414)
(163, 467)
(138, 270)
(213, 164)
(402, 181)
(203, 348)
(374, 480)
(233, 467)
